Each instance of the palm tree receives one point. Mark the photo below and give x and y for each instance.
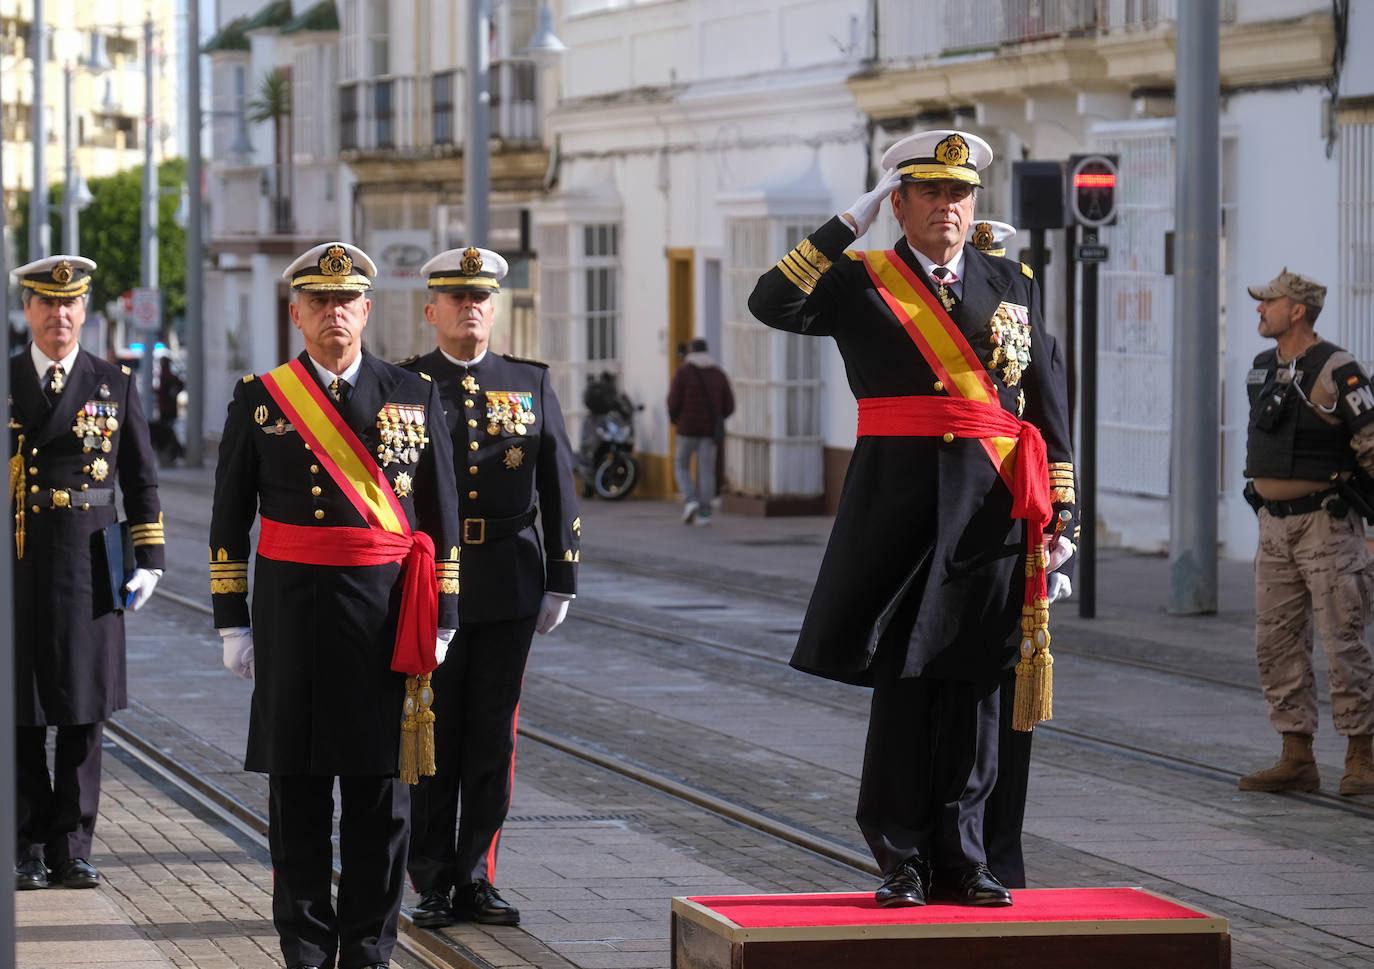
(274, 104)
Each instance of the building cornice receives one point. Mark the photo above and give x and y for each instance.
(1265, 53)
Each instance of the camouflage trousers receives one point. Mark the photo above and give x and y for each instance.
(1310, 566)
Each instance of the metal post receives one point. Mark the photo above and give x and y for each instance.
(40, 235)
(7, 774)
(195, 266)
(148, 237)
(1087, 451)
(71, 241)
(476, 181)
(1194, 441)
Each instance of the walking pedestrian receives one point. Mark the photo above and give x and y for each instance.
(699, 401)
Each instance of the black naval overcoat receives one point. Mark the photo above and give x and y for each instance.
(500, 473)
(923, 550)
(325, 700)
(69, 640)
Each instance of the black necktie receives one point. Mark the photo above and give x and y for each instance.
(944, 287)
(57, 379)
(339, 389)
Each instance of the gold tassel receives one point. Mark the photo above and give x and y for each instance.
(1034, 699)
(18, 485)
(426, 718)
(410, 733)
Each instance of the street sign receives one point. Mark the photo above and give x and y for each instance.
(1092, 189)
(1090, 253)
(147, 306)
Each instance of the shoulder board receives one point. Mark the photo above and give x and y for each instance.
(514, 359)
(408, 360)
(126, 370)
(1027, 271)
(425, 375)
(249, 378)
(853, 255)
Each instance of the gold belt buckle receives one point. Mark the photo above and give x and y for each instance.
(480, 530)
(61, 498)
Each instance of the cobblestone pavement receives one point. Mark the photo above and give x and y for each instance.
(592, 859)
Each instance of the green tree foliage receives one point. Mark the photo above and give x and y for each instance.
(110, 232)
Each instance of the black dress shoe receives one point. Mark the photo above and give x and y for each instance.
(434, 910)
(972, 886)
(481, 902)
(77, 873)
(29, 874)
(903, 888)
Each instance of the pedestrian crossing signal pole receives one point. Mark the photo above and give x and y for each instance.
(1092, 204)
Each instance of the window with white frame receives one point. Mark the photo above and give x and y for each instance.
(378, 51)
(1353, 328)
(601, 289)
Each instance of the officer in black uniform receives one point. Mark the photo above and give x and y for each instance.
(341, 564)
(922, 591)
(513, 461)
(76, 428)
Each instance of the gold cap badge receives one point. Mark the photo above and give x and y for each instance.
(982, 236)
(62, 273)
(472, 261)
(335, 262)
(952, 150)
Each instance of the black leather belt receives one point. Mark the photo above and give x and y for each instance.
(76, 498)
(479, 530)
(1298, 506)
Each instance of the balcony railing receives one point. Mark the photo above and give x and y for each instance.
(923, 29)
(420, 112)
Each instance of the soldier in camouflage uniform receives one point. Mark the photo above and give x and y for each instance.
(1311, 433)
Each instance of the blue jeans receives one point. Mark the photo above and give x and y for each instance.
(705, 488)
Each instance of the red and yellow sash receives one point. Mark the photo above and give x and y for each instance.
(972, 410)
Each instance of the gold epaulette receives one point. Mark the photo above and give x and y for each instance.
(249, 378)
(408, 360)
(1027, 271)
(227, 577)
(514, 359)
(127, 371)
(425, 375)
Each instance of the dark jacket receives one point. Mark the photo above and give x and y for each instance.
(700, 393)
(325, 700)
(924, 549)
(69, 641)
(502, 469)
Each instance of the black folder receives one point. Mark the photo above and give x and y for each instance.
(118, 550)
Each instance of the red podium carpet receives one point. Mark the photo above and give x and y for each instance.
(1061, 928)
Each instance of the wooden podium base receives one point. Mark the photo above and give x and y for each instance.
(1061, 928)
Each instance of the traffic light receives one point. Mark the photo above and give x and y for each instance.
(1092, 189)
(1037, 194)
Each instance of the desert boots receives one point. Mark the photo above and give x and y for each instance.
(1359, 766)
(1295, 771)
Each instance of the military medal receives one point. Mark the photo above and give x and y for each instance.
(514, 457)
(100, 469)
(1009, 336)
(401, 484)
(470, 385)
(260, 415)
(104, 392)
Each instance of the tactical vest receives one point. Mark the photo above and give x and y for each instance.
(1300, 444)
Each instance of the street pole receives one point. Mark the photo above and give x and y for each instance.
(40, 235)
(476, 179)
(71, 242)
(7, 773)
(195, 266)
(1195, 463)
(1087, 450)
(148, 236)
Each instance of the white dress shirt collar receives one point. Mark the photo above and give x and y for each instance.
(955, 265)
(41, 363)
(327, 376)
(463, 363)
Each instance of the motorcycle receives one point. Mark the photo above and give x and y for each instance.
(605, 461)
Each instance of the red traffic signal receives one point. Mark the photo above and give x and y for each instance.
(1092, 189)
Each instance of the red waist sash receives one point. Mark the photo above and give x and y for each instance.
(340, 546)
(936, 416)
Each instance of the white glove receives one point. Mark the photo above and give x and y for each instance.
(552, 611)
(1057, 552)
(238, 650)
(139, 587)
(441, 642)
(865, 208)
(1057, 586)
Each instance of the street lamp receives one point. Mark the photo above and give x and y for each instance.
(544, 45)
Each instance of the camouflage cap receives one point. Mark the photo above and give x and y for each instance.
(1299, 288)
